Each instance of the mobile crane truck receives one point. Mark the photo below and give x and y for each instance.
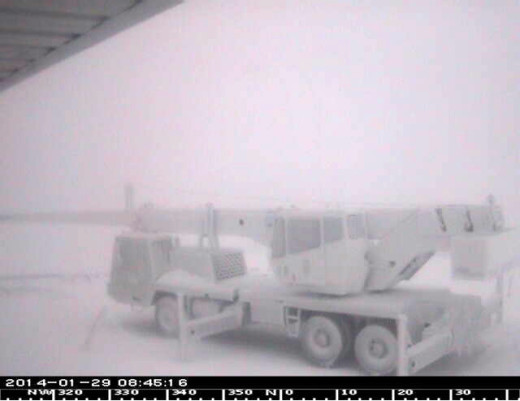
(336, 276)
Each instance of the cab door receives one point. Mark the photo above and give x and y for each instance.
(305, 259)
(335, 248)
(345, 246)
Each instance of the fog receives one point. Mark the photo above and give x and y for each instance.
(287, 102)
(265, 104)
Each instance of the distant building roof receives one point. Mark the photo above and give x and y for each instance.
(35, 34)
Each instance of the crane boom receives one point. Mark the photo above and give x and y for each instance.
(254, 224)
(407, 239)
(377, 248)
(102, 218)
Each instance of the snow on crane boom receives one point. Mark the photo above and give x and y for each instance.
(360, 250)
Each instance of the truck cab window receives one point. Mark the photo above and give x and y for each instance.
(161, 251)
(278, 243)
(304, 234)
(132, 254)
(332, 229)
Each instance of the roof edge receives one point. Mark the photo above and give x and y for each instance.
(138, 13)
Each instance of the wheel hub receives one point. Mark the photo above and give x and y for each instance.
(377, 349)
(322, 338)
(167, 318)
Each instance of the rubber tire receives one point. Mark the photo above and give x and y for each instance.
(331, 331)
(364, 351)
(167, 316)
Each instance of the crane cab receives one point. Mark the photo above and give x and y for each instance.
(320, 252)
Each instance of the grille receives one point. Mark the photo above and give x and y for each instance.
(227, 265)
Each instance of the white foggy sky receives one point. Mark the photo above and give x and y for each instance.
(300, 100)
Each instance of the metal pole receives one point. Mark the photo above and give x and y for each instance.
(211, 227)
(402, 357)
(183, 338)
(501, 295)
(129, 197)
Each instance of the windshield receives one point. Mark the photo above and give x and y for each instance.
(303, 234)
(132, 254)
(162, 255)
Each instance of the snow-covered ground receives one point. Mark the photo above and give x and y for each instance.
(45, 326)
(46, 329)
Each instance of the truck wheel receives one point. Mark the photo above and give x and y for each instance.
(322, 340)
(376, 349)
(167, 316)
